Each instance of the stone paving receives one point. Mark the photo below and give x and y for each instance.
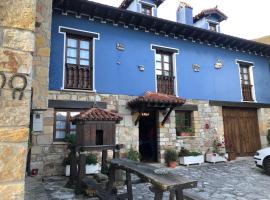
(237, 180)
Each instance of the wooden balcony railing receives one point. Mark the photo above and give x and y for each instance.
(78, 77)
(247, 92)
(165, 84)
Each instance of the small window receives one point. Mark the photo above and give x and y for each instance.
(62, 125)
(183, 120)
(246, 82)
(147, 10)
(99, 137)
(213, 27)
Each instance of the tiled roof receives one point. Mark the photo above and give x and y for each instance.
(96, 114)
(184, 4)
(125, 4)
(209, 11)
(153, 97)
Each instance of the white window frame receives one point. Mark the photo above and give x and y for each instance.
(251, 74)
(213, 22)
(154, 7)
(64, 57)
(173, 65)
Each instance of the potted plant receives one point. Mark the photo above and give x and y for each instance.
(218, 153)
(190, 157)
(66, 164)
(92, 166)
(70, 160)
(170, 158)
(187, 131)
(132, 154)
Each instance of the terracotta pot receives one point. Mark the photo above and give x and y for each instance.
(172, 164)
(185, 134)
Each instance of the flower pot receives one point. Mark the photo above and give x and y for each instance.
(186, 134)
(67, 170)
(190, 160)
(172, 164)
(214, 158)
(92, 169)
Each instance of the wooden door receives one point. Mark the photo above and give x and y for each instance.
(241, 131)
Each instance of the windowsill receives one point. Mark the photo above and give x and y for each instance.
(186, 137)
(59, 143)
(78, 90)
(253, 101)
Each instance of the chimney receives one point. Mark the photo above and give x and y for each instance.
(184, 14)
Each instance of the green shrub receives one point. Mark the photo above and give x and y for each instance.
(268, 136)
(132, 154)
(184, 152)
(71, 139)
(91, 159)
(170, 156)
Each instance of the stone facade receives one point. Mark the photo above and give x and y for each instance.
(264, 124)
(17, 26)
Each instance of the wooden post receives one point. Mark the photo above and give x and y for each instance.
(81, 170)
(179, 194)
(73, 166)
(172, 195)
(129, 186)
(158, 193)
(111, 179)
(104, 159)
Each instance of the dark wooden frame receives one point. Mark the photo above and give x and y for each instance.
(146, 7)
(247, 89)
(190, 121)
(214, 25)
(67, 123)
(82, 83)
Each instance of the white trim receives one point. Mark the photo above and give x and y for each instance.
(174, 65)
(64, 54)
(250, 68)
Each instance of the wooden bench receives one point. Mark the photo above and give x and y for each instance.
(160, 183)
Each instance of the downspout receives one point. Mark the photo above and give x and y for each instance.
(28, 162)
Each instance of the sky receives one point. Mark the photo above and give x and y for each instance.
(246, 18)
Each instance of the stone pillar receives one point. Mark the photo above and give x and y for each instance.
(17, 26)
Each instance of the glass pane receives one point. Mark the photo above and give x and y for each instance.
(166, 66)
(245, 77)
(60, 124)
(72, 42)
(71, 52)
(84, 54)
(72, 114)
(60, 134)
(158, 65)
(72, 126)
(245, 70)
(61, 115)
(71, 61)
(84, 44)
(166, 73)
(166, 58)
(158, 72)
(246, 82)
(84, 62)
(158, 57)
(73, 132)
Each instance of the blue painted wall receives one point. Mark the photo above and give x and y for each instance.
(125, 78)
(184, 15)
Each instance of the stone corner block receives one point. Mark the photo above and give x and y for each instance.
(14, 135)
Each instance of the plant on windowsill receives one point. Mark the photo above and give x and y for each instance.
(71, 170)
(190, 157)
(92, 165)
(187, 131)
(170, 157)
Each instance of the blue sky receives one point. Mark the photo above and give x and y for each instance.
(246, 18)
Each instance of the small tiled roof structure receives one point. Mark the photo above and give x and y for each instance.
(153, 98)
(184, 4)
(208, 12)
(96, 114)
(125, 4)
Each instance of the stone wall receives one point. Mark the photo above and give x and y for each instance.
(17, 26)
(264, 124)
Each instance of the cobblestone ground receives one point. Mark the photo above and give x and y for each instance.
(237, 180)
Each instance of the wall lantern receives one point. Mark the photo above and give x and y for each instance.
(141, 68)
(218, 64)
(120, 47)
(145, 114)
(196, 67)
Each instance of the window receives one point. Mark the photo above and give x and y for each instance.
(78, 63)
(246, 83)
(99, 137)
(62, 125)
(164, 72)
(183, 120)
(212, 27)
(147, 10)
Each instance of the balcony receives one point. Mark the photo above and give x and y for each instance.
(165, 84)
(247, 92)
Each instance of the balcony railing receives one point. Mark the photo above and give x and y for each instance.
(165, 84)
(78, 77)
(247, 92)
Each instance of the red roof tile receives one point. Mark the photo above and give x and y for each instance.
(153, 97)
(184, 4)
(125, 4)
(96, 114)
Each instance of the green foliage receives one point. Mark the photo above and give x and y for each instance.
(170, 156)
(268, 136)
(71, 139)
(66, 161)
(184, 152)
(91, 159)
(187, 130)
(105, 169)
(132, 154)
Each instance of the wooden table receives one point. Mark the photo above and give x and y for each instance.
(160, 183)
